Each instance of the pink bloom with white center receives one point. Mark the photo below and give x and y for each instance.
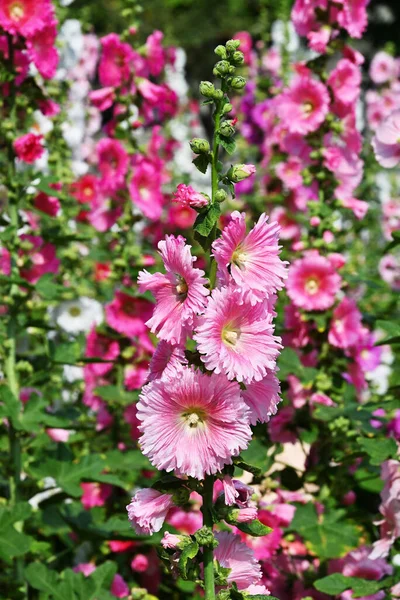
(42, 51)
(187, 196)
(166, 361)
(194, 424)
(383, 68)
(304, 106)
(386, 142)
(127, 314)
(24, 17)
(345, 81)
(29, 147)
(346, 328)
(366, 354)
(353, 17)
(180, 292)
(312, 282)
(119, 587)
(101, 346)
(103, 98)
(389, 270)
(251, 261)
(289, 228)
(148, 509)
(95, 494)
(262, 398)
(145, 188)
(113, 163)
(104, 212)
(41, 258)
(116, 61)
(290, 172)
(233, 554)
(237, 338)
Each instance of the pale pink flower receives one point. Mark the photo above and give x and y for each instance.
(386, 142)
(233, 554)
(304, 106)
(95, 494)
(148, 509)
(262, 398)
(119, 587)
(383, 68)
(194, 424)
(127, 314)
(29, 147)
(41, 258)
(116, 61)
(313, 283)
(171, 540)
(113, 163)
(290, 172)
(166, 361)
(145, 187)
(180, 292)
(237, 338)
(24, 17)
(101, 346)
(389, 270)
(345, 81)
(391, 217)
(42, 51)
(103, 98)
(389, 509)
(59, 435)
(235, 491)
(320, 398)
(345, 329)
(187, 196)
(353, 17)
(251, 261)
(359, 207)
(135, 376)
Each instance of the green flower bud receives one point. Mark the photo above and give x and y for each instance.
(207, 89)
(199, 146)
(222, 67)
(232, 45)
(238, 58)
(220, 195)
(239, 172)
(220, 51)
(238, 82)
(227, 129)
(219, 94)
(205, 537)
(227, 108)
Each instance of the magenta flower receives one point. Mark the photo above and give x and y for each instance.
(313, 283)
(41, 257)
(95, 494)
(193, 424)
(237, 338)
(101, 346)
(353, 17)
(290, 172)
(304, 106)
(251, 260)
(180, 292)
(29, 147)
(262, 398)
(42, 51)
(119, 587)
(103, 98)
(116, 61)
(155, 53)
(187, 196)
(145, 188)
(346, 325)
(386, 142)
(233, 554)
(113, 164)
(127, 314)
(148, 509)
(345, 81)
(24, 17)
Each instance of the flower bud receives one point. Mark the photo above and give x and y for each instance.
(238, 58)
(232, 45)
(207, 89)
(219, 94)
(227, 129)
(239, 172)
(199, 146)
(222, 67)
(238, 82)
(220, 196)
(221, 52)
(205, 537)
(171, 540)
(227, 108)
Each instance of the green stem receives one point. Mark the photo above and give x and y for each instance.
(215, 152)
(208, 553)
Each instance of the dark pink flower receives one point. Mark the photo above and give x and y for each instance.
(346, 326)
(29, 147)
(101, 346)
(47, 204)
(103, 98)
(127, 314)
(95, 494)
(39, 259)
(187, 196)
(304, 106)
(24, 17)
(42, 51)
(113, 163)
(116, 61)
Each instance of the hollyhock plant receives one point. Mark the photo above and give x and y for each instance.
(313, 283)
(42, 51)
(345, 330)
(180, 292)
(145, 188)
(113, 163)
(193, 425)
(116, 60)
(101, 346)
(39, 259)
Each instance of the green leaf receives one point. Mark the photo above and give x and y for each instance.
(44, 579)
(103, 576)
(206, 220)
(66, 354)
(326, 535)
(188, 553)
(228, 144)
(113, 393)
(337, 584)
(44, 186)
(201, 162)
(69, 475)
(254, 528)
(13, 543)
(392, 329)
(239, 462)
(289, 364)
(395, 242)
(10, 406)
(48, 289)
(379, 450)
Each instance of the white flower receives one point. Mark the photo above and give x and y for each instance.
(77, 316)
(72, 373)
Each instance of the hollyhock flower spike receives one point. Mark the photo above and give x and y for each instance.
(251, 261)
(193, 425)
(180, 292)
(237, 338)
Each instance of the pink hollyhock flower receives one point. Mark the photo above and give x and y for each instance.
(101, 346)
(24, 17)
(289, 228)
(298, 330)
(130, 416)
(166, 361)
(40, 259)
(319, 398)
(85, 190)
(193, 425)
(154, 94)
(281, 426)
(346, 325)
(366, 354)
(345, 81)
(312, 282)
(394, 426)
(353, 17)
(359, 207)
(232, 554)
(145, 188)
(119, 587)
(246, 44)
(113, 163)
(155, 54)
(42, 51)
(383, 68)
(59, 435)
(85, 568)
(5, 262)
(251, 260)
(391, 217)
(181, 217)
(47, 204)
(290, 172)
(120, 545)
(103, 213)
(135, 376)
(355, 376)
(180, 292)
(187, 196)
(116, 61)
(95, 494)
(389, 270)
(386, 142)
(148, 509)
(185, 521)
(236, 338)
(318, 40)
(303, 106)
(389, 509)
(127, 314)
(29, 147)
(140, 563)
(262, 398)
(171, 540)
(103, 98)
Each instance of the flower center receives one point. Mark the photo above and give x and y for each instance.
(312, 286)
(16, 11)
(239, 258)
(181, 287)
(230, 337)
(74, 311)
(307, 108)
(194, 417)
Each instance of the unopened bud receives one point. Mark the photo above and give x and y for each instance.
(238, 82)
(220, 196)
(205, 537)
(207, 89)
(199, 146)
(239, 172)
(232, 45)
(227, 129)
(222, 67)
(220, 51)
(227, 108)
(238, 58)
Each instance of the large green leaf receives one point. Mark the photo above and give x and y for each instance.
(379, 450)
(13, 543)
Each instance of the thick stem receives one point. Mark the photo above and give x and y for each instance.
(208, 553)
(215, 152)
